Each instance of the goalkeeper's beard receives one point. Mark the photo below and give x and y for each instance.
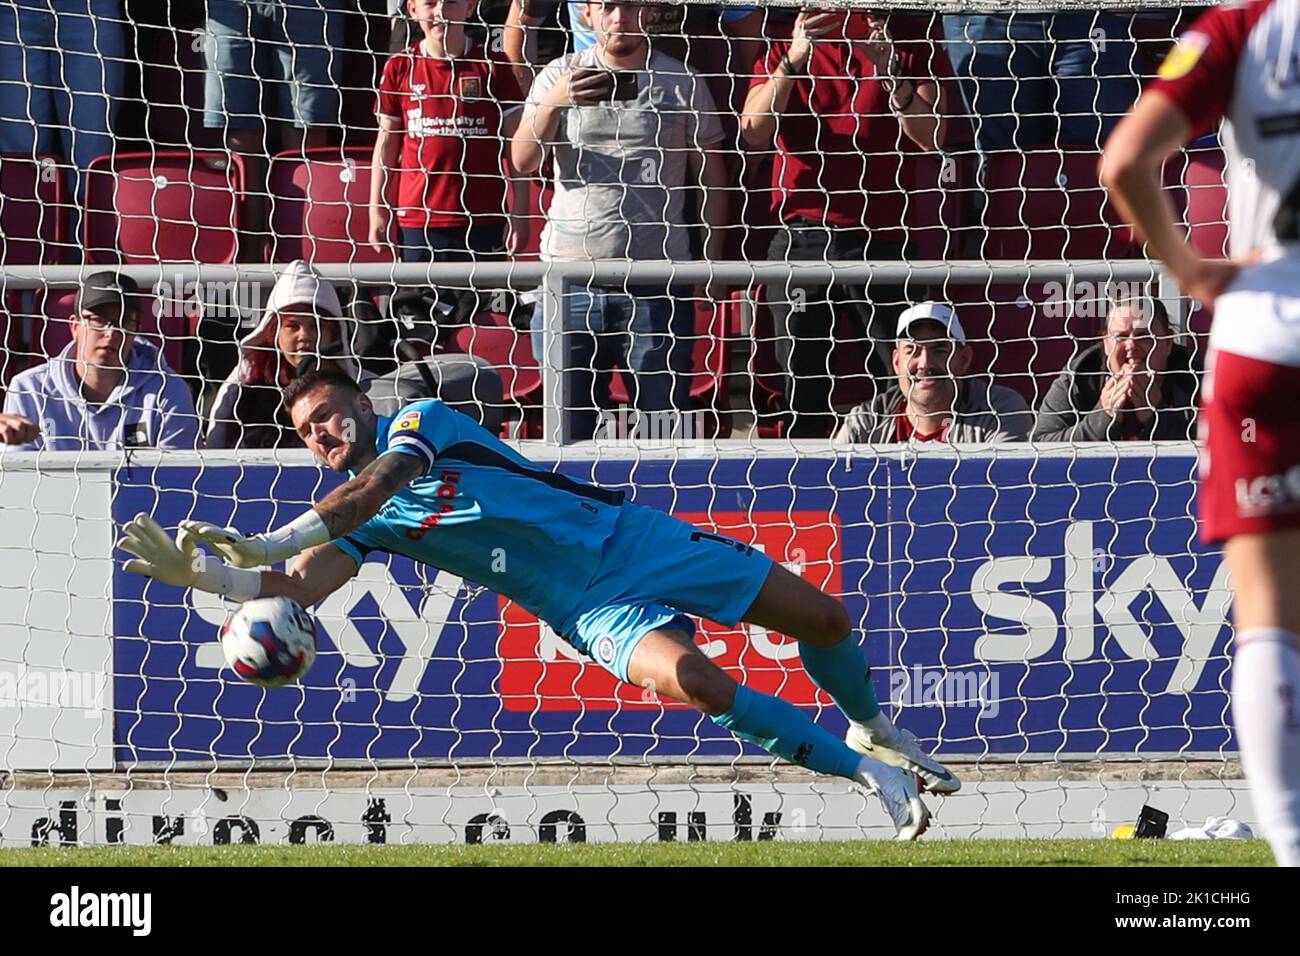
(356, 457)
(361, 451)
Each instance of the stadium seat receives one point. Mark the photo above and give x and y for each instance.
(32, 213)
(320, 207)
(164, 206)
(492, 339)
(1050, 205)
(1022, 336)
(36, 328)
(32, 232)
(1206, 213)
(937, 190)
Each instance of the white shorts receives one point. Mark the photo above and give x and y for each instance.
(1259, 316)
(1250, 432)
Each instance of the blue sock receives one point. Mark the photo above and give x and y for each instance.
(841, 670)
(783, 729)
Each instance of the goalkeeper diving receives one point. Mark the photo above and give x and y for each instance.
(614, 579)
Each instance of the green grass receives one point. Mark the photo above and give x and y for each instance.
(1098, 852)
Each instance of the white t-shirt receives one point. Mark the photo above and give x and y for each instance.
(621, 168)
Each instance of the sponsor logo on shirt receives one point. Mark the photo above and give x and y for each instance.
(409, 422)
(447, 490)
(1269, 494)
(1184, 56)
(606, 650)
(136, 435)
(420, 126)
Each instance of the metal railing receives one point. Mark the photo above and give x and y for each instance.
(554, 278)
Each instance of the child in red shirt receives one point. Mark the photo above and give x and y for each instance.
(446, 114)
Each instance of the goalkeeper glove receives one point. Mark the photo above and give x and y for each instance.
(255, 551)
(180, 563)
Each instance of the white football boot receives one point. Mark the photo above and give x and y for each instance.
(898, 793)
(906, 754)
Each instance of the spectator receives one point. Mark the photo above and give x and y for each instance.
(62, 78)
(1136, 385)
(445, 112)
(273, 60)
(108, 389)
(842, 100)
(661, 18)
(934, 399)
(303, 327)
(628, 130)
(531, 33)
(1035, 80)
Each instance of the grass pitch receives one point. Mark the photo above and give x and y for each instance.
(1099, 852)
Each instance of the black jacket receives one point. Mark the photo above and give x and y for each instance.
(1070, 412)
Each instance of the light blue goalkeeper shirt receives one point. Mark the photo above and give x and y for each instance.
(483, 511)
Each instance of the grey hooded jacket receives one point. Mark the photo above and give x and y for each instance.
(982, 412)
(1070, 411)
(152, 406)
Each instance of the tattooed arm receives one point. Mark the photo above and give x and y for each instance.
(349, 506)
(342, 511)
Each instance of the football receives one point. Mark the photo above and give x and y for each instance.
(270, 642)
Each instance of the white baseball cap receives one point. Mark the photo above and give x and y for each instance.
(945, 315)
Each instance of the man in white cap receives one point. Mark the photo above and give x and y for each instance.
(935, 399)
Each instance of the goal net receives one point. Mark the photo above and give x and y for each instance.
(688, 286)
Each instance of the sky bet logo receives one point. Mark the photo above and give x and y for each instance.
(75, 909)
(1021, 626)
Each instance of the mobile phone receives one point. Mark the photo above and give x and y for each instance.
(626, 86)
(606, 87)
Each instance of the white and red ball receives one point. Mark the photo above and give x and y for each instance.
(270, 642)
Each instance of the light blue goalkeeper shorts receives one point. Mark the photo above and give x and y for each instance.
(655, 571)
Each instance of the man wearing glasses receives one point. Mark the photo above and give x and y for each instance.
(1137, 385)
(109, 389)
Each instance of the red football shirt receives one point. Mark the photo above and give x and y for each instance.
(1241, 62)
(838, 145)
(449, 112)
(905, 432)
